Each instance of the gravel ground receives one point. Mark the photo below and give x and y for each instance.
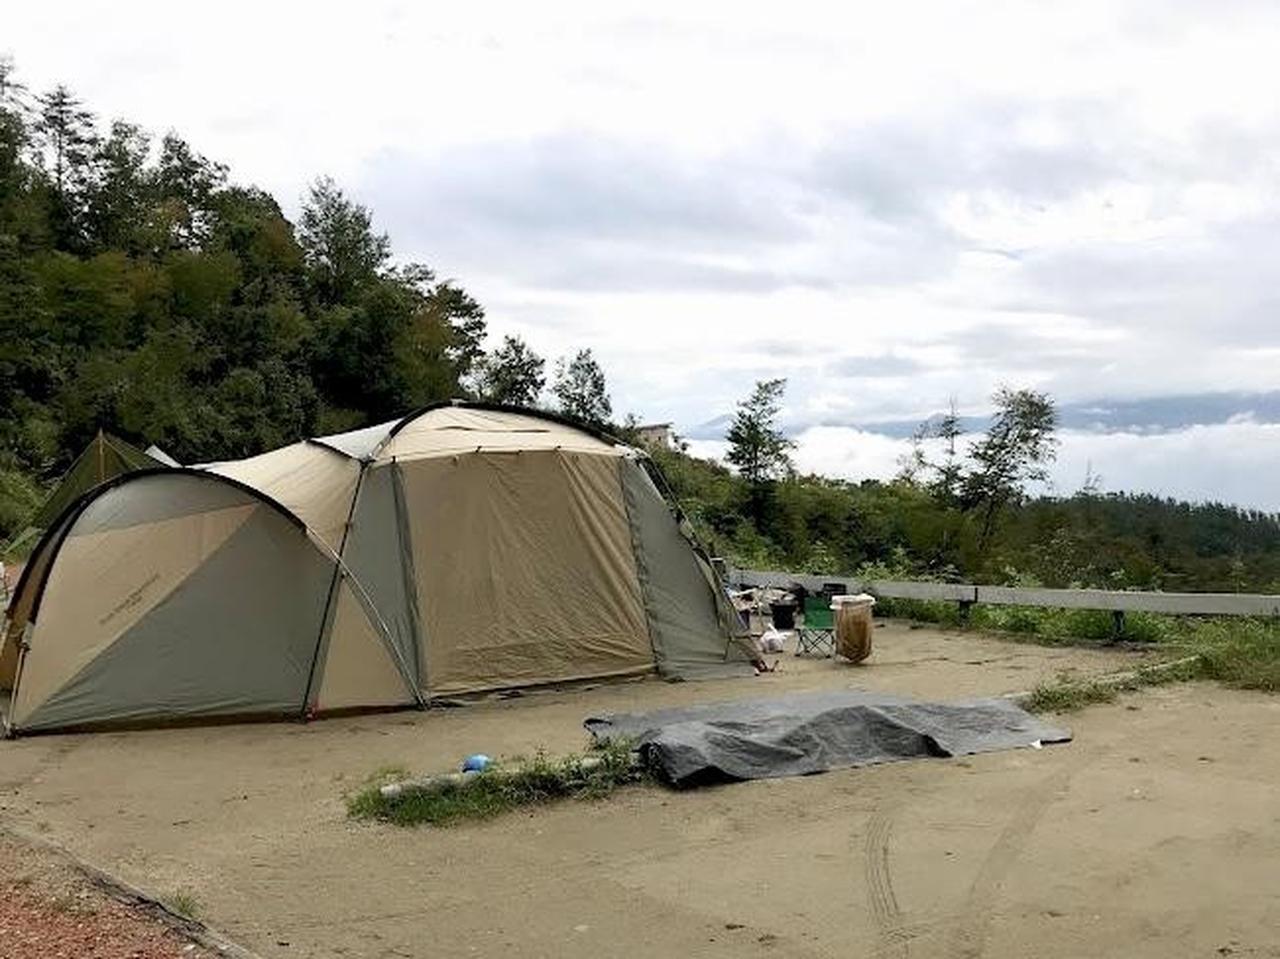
(48, 910)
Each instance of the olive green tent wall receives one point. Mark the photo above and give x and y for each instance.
(105, 458)
(460, 549)
(682, 598)
(377, 553)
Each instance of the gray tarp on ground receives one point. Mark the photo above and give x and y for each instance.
(813, 732)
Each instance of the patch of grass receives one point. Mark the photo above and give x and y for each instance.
(1239, 652)
(1040, 624)
(1153, 628)
(1244, 654)
(503, 787)
(919, 610)
(184, 903)
(1011, 619)
(1066, 695)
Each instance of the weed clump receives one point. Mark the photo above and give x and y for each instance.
(184, 903)
(1067, 697)
(502, 787)
(1244, 654)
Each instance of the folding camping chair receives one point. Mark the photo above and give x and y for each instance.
(817, 635)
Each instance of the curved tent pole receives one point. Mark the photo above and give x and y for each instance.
(344, 572)
(418, 672)
(58, 531)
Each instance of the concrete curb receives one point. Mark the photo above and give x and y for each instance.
(115, 887)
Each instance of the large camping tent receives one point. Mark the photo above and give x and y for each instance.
(463, 548)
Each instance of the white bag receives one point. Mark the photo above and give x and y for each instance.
(773, 641)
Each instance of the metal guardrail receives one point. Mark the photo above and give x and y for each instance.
(1116, 601)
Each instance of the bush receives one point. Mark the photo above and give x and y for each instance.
(20, 497)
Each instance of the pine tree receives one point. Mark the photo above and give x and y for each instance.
(69, 145)
(757, 447)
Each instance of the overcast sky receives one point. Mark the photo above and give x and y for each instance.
(887, 203)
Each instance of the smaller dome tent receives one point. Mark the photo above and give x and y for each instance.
(168, 595)
(463, 548)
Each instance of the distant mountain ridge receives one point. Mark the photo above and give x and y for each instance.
(1158, 414)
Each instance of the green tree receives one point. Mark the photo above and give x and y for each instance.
(22, 216)
(949, 476)
(757, 447)
(452, 307)
(188, 186)
(69, 140)
(118, 200)
(511, 374)
(581, 391)
(944, 476)
(1015, 450)
(343, 255)
(760, 450)
(441, 337)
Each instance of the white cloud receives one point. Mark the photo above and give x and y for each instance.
(1220, 462)
(1225, 462)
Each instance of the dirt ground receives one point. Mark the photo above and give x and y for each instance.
(1155, 833)
(49, 910)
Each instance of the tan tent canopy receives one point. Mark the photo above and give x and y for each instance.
(463, 548)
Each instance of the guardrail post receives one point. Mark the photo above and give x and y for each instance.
(966, 606)
(1117, 625)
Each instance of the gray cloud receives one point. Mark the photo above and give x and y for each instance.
(898, 170)
(883, 365)
(623, 207)
(1077, 198)
(586, 211)
(1223, 276)
(581, 212)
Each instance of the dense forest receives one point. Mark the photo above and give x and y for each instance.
(144, 292)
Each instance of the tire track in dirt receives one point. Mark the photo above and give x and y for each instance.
(975, 916)
(882, 899)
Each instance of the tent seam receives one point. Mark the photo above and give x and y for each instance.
(409, 574)
(330, 606)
